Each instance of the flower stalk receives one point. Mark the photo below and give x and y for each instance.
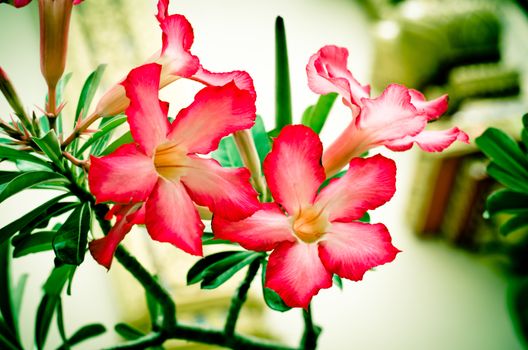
(248, 153)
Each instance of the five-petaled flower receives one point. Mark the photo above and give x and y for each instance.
(396, 119)
(315, 234)
(162, 167)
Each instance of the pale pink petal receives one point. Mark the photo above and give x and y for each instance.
(171, 217)
(103, 249)
(353, 248)
(430, 140)
(327, 72)
(432, 109)
(293, 167)
(227, 192)
(390, 116)
(242, 79)
(124, 176)
(367, 184)
(261, 231)
(148, 122)
(216, 112)
(296, 273)
(177, 39)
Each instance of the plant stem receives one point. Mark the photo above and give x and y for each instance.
(311, 331)
(51, 108)
(248, 152)
(79, 129)
(239, 298)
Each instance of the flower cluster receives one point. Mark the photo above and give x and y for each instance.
(313, 226)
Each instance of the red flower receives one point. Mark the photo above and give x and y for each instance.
(162, 167)
(396, 119)
(314, 235)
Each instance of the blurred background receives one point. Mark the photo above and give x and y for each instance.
(452, 286)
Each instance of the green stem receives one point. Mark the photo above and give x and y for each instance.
(311, 331)
(239, 298)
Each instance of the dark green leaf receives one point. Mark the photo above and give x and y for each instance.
(50, 145)
(18, 293)
(45, 313)
(337, 281)
(365, 218)
(283, 108)
(88, 91)
(6, 176)
(209, 239)
(123, 139)
(315, 116)
(61, 86)
(84, 333)
(504, 151)
(13, 155)
(221, 271)
(8, 344)
(60, 323)
(506, 178)
(28, 180)
(336, 176)
(198, 270)
(57, 279)
(514, 224)
(71, 239)
(7, 337)
(34, 243)
(154, 307)
(6, 301)
(19, 224)
(104, 130)
(128, 332)
(507, 201)
(272, 299)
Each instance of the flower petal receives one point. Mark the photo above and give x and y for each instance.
(103, 249)
(163, 10)
(261, 231)
(432, 109)
(216, 112)
(148, 122)
(124, 176)
(171, 217)
(353, 248)
(367, 184)
(225, 191)
(327, 72)
(293, 167)
(390, 116)
(242, 79)
(177, 39)
(430, 140)
(296, 273)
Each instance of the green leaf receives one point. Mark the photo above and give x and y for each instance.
(6, 302)
(209, 239)
(6, 176)
(25, 220)
(84, 333)
(337, 281)
(154, 307)
(514, 224)
(315, 116)
(28, 180)
(7, 338)
(283, 107)
(365, 218)
(227, 153)
(34, 243)
(13, 155)
(50, 145)
(60, 323)
(327, 181)
(105, 129)
(222, 271)
(506, 178)
(261, 138)
(128, 332)
(123, 139)
(88, 91)
(507, 201)
(272, 299)
(71, 239)
(61, 86)
(18, 293)
(8, 344)
(504, 152)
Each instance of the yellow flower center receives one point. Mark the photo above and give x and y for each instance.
(170, 161)
(310, 224)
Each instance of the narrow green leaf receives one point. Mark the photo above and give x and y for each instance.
(71, 239)
(18, 293)
(13, 155)
(327, 181)
(507, 201)
(6, 176)
(261, 138)
(337, 281)
(6, 301)
(209, 239)
(504, 151)
(45, 313)
(84, 333)
(57, 279)
(506, 178)
(365, 218)
(7, 344)
(50, 145)
(128, 332)
(315, 116)
(88, 91)
(283, 107)
(28, 180)
(217, 275)
(34, 243)
(60, 324)
(20, 223)
(7, 337)
(198, 271)
(514, 224)
(61, 86)
(123, 139)
(227, 153)
(272, 299)
(105, 129)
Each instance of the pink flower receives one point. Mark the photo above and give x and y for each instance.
(162, 168)
(315, 234)
(396, 119)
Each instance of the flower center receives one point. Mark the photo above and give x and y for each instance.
(310, 224)
(170, 161)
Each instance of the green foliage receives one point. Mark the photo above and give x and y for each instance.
(14, 155)
(107, 126)
(27, 180)
(128, 332)
(82, 334)
(50, 145)
(88, 91)
(337, 281)
(315, 115)
(209, 239)
(71, 239)
(283, 106)
(123, 139)
(9, 317)
(272, 299)
(213, 270)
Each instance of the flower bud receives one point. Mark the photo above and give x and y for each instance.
(9, 92)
